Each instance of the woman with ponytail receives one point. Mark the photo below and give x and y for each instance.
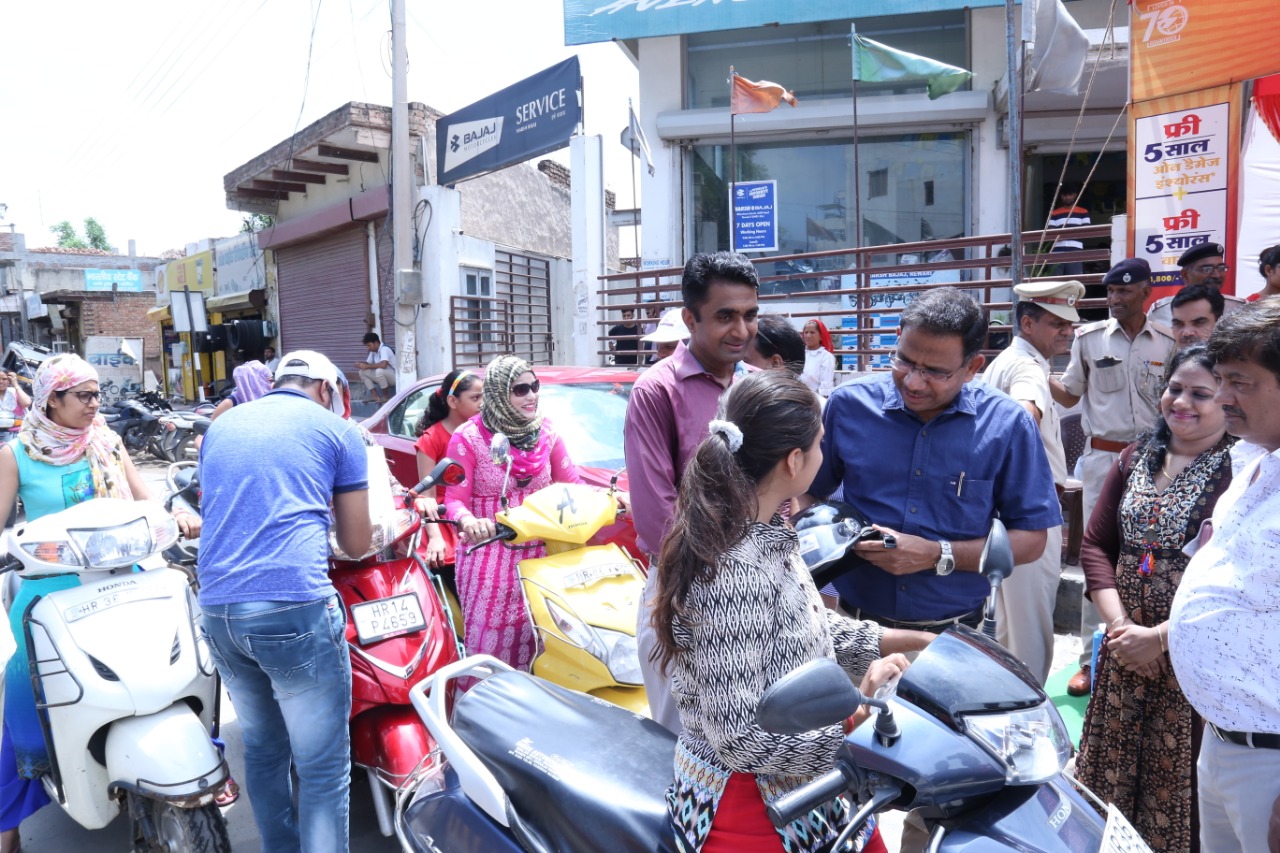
(455, 402)
(736, 610)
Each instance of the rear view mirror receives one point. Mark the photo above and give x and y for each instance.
(811, 696)
(453, 474)
(996, 562)
(500, 450)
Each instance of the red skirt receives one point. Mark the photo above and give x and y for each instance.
(742, 826)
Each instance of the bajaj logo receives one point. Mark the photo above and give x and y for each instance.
(471, 139)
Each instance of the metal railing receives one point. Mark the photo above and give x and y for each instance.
(855, 291)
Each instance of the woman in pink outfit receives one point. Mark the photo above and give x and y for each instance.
(493, 608)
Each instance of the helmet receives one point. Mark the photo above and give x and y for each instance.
(827, 532)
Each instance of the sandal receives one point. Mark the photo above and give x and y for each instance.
(229, 794)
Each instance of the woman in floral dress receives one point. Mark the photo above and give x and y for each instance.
(1140, 733)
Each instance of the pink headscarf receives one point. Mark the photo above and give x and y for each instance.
(46, 441)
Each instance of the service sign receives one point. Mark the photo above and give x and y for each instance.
(754, 205)
(536, 115)
(1180, 180)
(118, 362)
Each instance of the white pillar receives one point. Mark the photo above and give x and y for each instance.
(586, 158)
(439, 279)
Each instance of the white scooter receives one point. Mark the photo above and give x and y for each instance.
(126, 688)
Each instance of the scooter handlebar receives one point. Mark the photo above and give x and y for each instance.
(504, 533)
(808, 797)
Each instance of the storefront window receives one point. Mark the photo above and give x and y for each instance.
(913, 188)
(814, 60)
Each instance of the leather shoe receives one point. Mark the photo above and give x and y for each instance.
(1079, 683)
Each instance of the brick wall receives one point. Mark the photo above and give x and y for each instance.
(125, 317)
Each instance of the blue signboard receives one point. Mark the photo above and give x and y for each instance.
(588, 21)
(125, 281)
(755, 216)
(534, 116)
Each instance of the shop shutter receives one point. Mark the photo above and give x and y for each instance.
(324, 296)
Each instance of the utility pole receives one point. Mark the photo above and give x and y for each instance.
(401, 202)
(1013, 54)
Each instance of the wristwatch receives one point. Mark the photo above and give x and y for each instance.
(946, 563)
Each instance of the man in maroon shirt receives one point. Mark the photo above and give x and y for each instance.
(667, 416)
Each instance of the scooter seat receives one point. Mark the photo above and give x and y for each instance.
(582, 774)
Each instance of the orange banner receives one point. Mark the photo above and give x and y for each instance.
(1179, 46)
(748, 96)
(1183, 179)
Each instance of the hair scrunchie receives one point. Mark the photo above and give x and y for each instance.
(730, 432)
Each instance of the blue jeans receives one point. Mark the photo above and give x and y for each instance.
(288, 672)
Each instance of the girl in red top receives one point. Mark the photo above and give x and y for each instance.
(456, 401)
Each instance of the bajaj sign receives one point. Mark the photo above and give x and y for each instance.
(534, 116)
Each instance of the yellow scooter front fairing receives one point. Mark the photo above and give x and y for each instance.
(583, 605)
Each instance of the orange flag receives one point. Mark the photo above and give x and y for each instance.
(762, 97)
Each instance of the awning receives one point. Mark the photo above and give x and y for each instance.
(246, 301)
(158, 314)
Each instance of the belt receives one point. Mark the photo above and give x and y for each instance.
(1255, 740)
(933, 626)
(1108, 445)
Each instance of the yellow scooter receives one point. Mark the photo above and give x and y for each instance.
(582, 599)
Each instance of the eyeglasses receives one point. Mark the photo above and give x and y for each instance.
(85, 397)
(525, 388)
(1205, 269)
(927, 373)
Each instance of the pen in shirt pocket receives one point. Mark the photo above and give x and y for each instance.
(960, 484)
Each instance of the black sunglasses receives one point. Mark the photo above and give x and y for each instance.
(85, 397)
(523, 389)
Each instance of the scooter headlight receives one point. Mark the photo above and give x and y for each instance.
(125, 544)
(614, 649)
(1033, 744)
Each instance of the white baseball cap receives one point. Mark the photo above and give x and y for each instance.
(671, 328)
(314, 365)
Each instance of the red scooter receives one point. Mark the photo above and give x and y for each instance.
(399, 630)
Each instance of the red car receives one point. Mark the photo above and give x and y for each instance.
(588, 406)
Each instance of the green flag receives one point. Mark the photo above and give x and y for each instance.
(877, 63)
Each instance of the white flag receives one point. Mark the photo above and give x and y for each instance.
(1060, 47)
(633, 139)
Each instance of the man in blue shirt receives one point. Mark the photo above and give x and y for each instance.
(932, 458)
(275, 626)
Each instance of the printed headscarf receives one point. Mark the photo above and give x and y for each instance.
(47, 441)
(823, 335)
(252, 379)
(497, 412)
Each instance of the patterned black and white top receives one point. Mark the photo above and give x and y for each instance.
(759, 619)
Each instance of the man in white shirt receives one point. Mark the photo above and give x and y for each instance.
(1044, 315)
(376, 371)
(1225, 622)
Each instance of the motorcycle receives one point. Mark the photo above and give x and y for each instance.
(399, 631)
(176, 436)
(582, 599)
(965, 734)
(136, 421)
(126, 691)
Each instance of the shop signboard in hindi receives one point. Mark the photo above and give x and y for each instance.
(755, 216)
(118, 362)
(121, 281)
(1180, 183)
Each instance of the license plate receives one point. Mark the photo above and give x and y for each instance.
(388, 617)
(109, 600)
(1120, 836)
(590, 574)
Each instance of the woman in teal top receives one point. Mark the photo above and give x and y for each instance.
(65, 454)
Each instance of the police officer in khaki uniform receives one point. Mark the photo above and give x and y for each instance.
(1117, 369)
(1043, 318)
(1203, 264)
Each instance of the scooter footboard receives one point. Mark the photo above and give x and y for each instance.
(165, 756)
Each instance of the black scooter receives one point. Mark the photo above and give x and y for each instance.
(966, 735)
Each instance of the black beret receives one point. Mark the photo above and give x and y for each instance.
(1199, 253)
(1128, 271)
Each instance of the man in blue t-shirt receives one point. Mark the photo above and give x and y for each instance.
(932, 457)
(269, 471)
